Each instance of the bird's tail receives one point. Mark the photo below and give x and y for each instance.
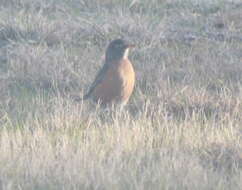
(86, 96)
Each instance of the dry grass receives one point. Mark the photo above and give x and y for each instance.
(182, 127)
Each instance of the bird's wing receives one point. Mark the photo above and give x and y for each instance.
(99, 77)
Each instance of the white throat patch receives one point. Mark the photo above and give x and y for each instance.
(126, 54)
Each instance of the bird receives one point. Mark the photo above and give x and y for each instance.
(114, 83)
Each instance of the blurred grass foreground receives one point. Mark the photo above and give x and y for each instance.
(182, 128)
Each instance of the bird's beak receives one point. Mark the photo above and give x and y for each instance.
(127, 44)
(131, 46)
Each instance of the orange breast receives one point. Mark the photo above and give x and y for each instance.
(117, 85)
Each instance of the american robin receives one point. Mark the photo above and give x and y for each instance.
(114, 83)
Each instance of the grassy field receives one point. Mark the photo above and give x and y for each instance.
(182, 128)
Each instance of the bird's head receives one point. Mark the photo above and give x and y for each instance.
(118, 49)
